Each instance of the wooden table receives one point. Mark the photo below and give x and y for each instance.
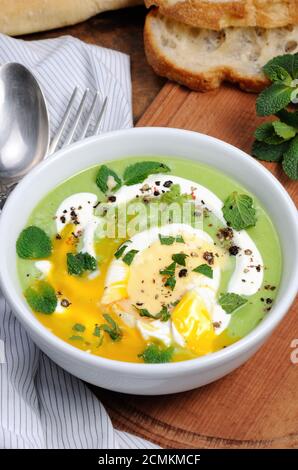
(257, 405)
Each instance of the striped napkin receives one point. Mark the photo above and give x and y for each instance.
(41, 405)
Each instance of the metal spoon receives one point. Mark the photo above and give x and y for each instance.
(24, 125)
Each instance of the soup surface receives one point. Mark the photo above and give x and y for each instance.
(149, 260)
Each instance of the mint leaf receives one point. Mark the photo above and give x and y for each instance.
(273, 99)
(288, 117)
(169, 270)
(267, 152)
(138, 172)
(288, 62)
(290, 161)
(174, 195)
(276, 73)
(154, 354)
(77, 264)
(33, 243)
(76, 338)
(166, 240)
(204, 269)
(41, 297)
(231, 302)
(120, 251)
(179, 258)
(79, 327)
(239, 212)
(129, 256)
(111, 327)
(107, 180)
(266, 133)
(283, 130)
(180, 239)
(96, 331)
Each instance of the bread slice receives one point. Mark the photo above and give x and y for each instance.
(219, 14)
(22, 17)
(201, 58)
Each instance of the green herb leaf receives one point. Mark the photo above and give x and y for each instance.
(154, 354)
(163, 315)
(273, 99)
(288, 62)
(180, 239)
(174, 195)
(231, 302)
(204, 269)
(138, 172)
(288, 117)
(170, 282)
(111, 328)
(107, 180)
(76, 338)
(79, 327)
(41, 297)
(290, 161)
(239, 212)
(266, 133)
(166, 240)
(129, 256)
(96, 331)
(179, 258)
(120, 251)
(33, 243)
(283, 130)
(79, 263)
(269, 153)
(169, 270)
(276, 73)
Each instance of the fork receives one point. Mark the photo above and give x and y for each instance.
(70, 137)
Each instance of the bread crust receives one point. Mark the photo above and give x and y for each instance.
(29, 16)
(197, 81)
(217, 14)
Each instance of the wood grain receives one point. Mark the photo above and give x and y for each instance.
(257, 405)
(121, 30)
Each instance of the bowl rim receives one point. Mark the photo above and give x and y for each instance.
(245, 344)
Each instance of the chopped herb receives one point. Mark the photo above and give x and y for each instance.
(179, 258)
(138, 172)
(239, 212)
(180, 239)
(166, 240)
(76, 338)
(107, 179)
(174, 195)
(41, 297)
(129, 256)
(170, 282)
(231, 302)
(169, 270)
(79, 327)
(80, 262)
(163, 315)
(154, 354)
(120, 251)
(204, 269)
(96, 331)
(111, 328)
(33, 243)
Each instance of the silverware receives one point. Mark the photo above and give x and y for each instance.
(24, 124)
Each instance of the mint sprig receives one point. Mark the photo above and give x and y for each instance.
(107, 180)
(138, 172)
(239, 212)
(78, 263)
(276, 140)
(231, 302)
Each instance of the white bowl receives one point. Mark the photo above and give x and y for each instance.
(149, 379)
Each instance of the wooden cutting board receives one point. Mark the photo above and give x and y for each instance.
(257, 405)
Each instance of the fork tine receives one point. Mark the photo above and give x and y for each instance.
(89, 116)
(97, 125)
(60, 130)
(77, 119)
